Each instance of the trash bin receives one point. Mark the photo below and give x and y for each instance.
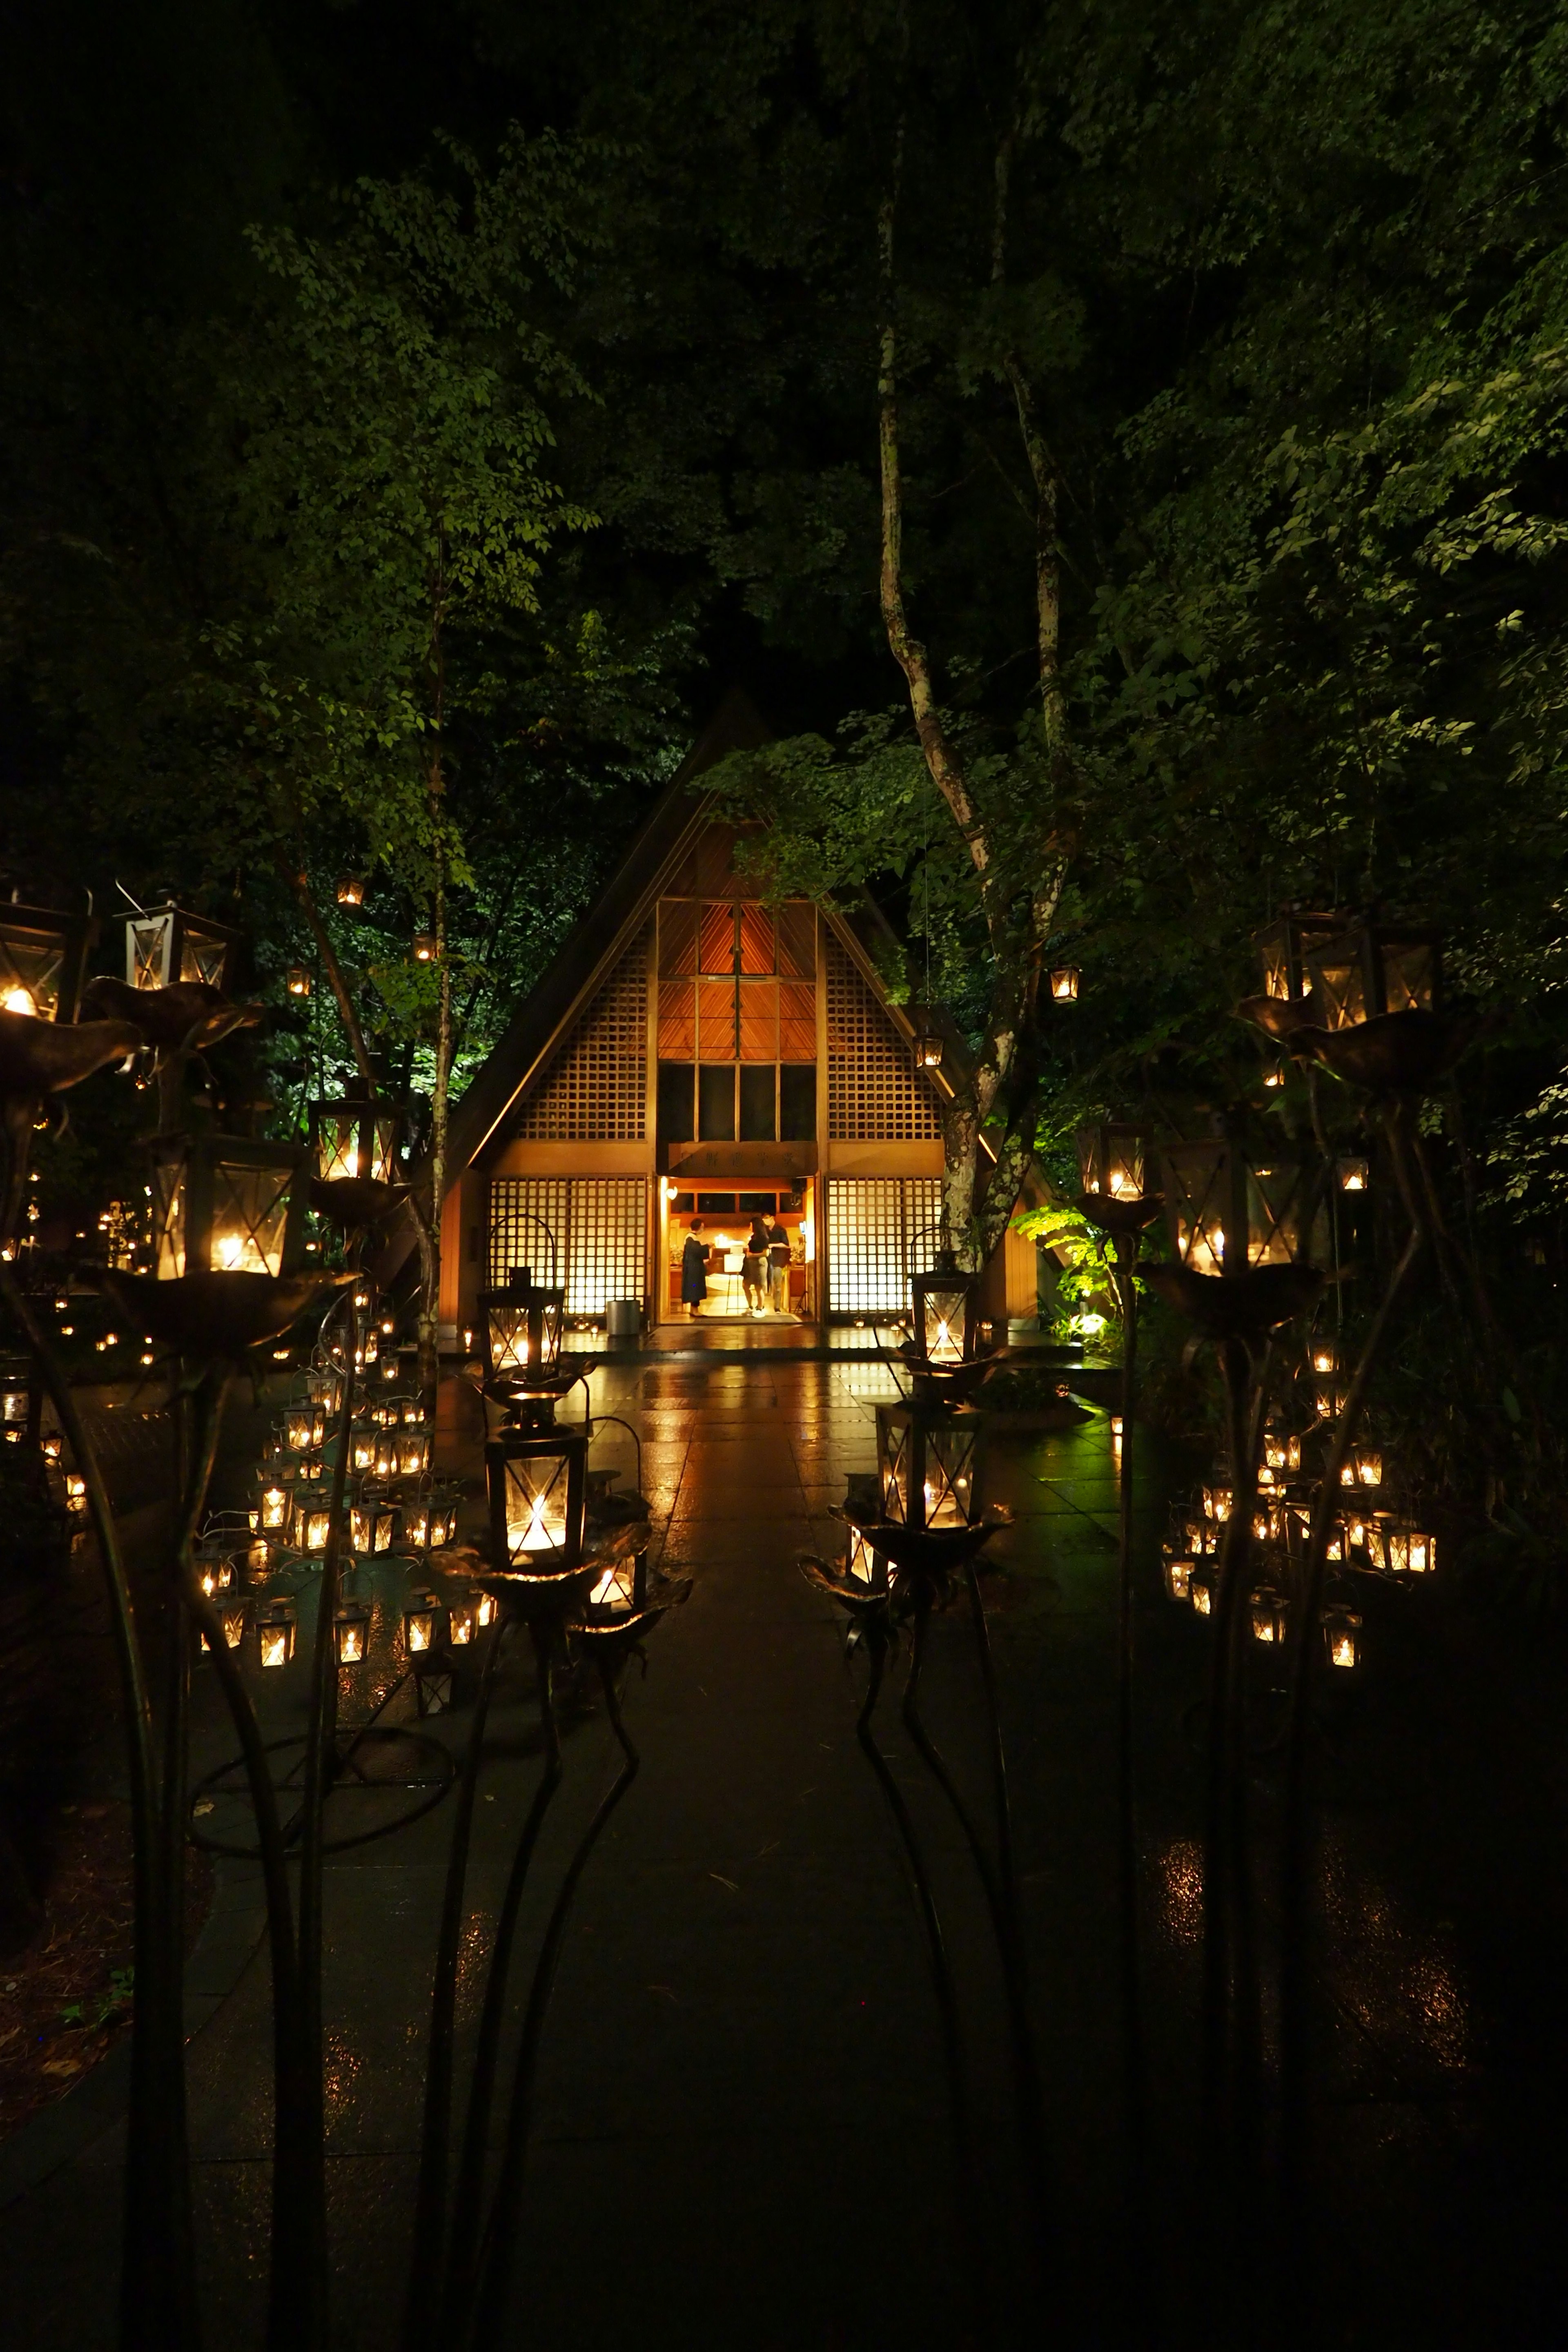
(623, 1319)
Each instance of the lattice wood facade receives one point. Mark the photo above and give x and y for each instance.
(873, 1092)
(594, 1089)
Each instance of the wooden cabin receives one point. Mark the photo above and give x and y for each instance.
(696, 1056)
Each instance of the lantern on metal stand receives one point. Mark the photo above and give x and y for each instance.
(520, 1330)
(1231, 1206)
(223, 1205)
(537, 1488)
(354, 1138)
(168, 943)
(41, 959)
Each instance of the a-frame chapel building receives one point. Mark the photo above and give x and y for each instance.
(695, 1055)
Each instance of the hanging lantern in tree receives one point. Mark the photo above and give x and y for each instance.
(350, 890)
(298, 981)
(925, 1043)
(1283, 950)
(223, 1205)
(537, 1485)
(1342, 1637)
(1373, 969)
(422, 947)
(168, 944)
(1112, 1160)
(1064, 984)
(1401, 1549)
(233, 1615)
(41, 959)
(1351, 1174)
(1362, 1467)
(354, 1138)
(1230, 1207)
(521, 1328)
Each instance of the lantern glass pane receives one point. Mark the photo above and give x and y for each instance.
(276, 1642)
(511, 1344)
(949, 1484)
(944, 1320)
(250, 1218)
(1178, 1577)
(202, 959)
(1278, 1205)
(897, 1445)
(614, 1588)
(31, 969)
(536, 1503)
(1196, 1184)
(1340, 984)
(168, 1188)
(148, 941)
(1409, 976)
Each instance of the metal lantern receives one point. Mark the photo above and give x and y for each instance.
(1342, 1637)
(298, 981)
(223, 1205)
(1216, 1503)
(362, 1447)
(1270, 1613)
(422, 947)
(168, 943)
(1281, 1452)
(17, 1398)
(1200, 1592)
(462, 1620)
(946, 1314)
(1230, 1206)
(1324, 1354)
(927, 1465)
(1402, 1548)
(304, 1427)
(350, 890)
(233, 1616)
(926, 1046)
(621, 1587)
(412, 1453)
(421, 1620)
(1112, 1160)
(1363, 1466)
(274, 1632)
(537, 1490)
(1283, 950)
(312, 1524)
(372, 1521)
(429, 1524)
(214, 1575)
(274, 1507)
(521, 1328)
(1064, 984)
(41, 959)
(354, 1138)
(350, 1632)
(1178, 1572)
(1353, 1175)
(1373, 969)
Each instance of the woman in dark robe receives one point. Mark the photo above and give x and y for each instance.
(694, 1270)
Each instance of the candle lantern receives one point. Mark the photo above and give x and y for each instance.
(275, 1632)
(1283, 950)
(421, 1621)
(51, 1445)
(1064, 984)
(946, 1312)
(1112, 1160)
(1178, 1572)
(354, 1139)
(430, 1524)
(312, 1524)
(1281, 1452)
(274, 1507)
(233, 1615)
(1363, 1466)
(169, 943)
(350, 1632)
(324, 1386)
(385, 1460)
(1200, 1590)
(422, 947)
(1229, 1206)
(1342, 1637)
(350, 890)
(1352, 1174)
(412, 1453)
(462, 1620)
(926, 1045)
(41, 959)
(1198, 1534)
(1323, 1356)
(222, 1204)
(1329, 1399)
(298, 981)
(304, 1427)
(537, 1485)
(372, 1521)
(215, 1574)
(1402, 1548)
(1216, 1503)
(620, 1589)
(863, 1563)
(1269, 1612)
(17, 1398)
(521, 1328)
(1373, 969)
(362, 1446)
(927, 1465)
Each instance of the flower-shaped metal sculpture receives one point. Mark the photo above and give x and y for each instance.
(1394, 1053)
(188, 1016)
(1236, 1305)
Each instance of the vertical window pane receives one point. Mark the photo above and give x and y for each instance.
(798, 1102)
(759, 1021)
(757, 1102)
(797, 942)
(716, 1021)
(797, 1021)
(677, 1021)
(756, 938)
(716, 1105)
(716, 939)
(675, 1099)
(677, 938)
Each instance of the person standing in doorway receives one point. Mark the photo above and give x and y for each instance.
(694, 1271)
(755, 1267)
(778, 1267)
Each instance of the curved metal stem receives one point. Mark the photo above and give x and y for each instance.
(421, 2306)
(500, 2234)
(1133, 2063)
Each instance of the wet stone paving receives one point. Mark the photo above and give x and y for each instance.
(740, 2135)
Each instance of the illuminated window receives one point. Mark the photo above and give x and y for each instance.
(880, 1229)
